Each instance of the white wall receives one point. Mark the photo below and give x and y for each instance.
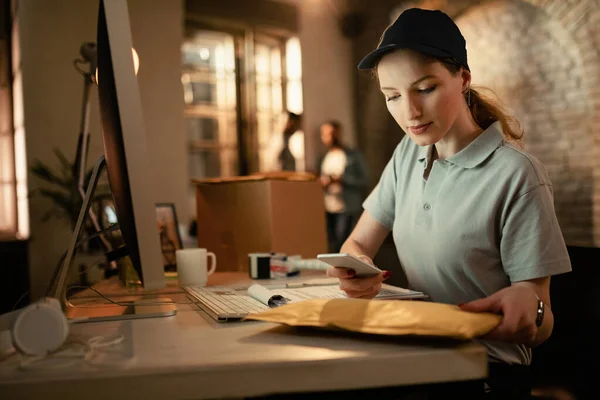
(328, 73)
(51, 33)
(157, 28)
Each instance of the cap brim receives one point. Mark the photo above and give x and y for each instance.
(371, 59)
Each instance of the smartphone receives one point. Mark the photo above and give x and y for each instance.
(349, 261)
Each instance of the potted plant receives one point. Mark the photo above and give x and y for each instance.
(61, 188)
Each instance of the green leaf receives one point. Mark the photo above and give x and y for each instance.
(63, 160)
(65, 197)
(59, 199)
(42, 171)
(68, 168)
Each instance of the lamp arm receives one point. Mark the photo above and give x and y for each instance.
(83, 146)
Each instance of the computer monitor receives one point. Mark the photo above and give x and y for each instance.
(127, 163)
(125, 148)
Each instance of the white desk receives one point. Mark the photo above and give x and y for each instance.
(191, 356)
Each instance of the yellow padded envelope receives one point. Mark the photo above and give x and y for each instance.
(384, 317)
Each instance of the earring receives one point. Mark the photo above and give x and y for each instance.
(468, 96)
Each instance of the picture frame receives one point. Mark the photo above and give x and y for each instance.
(170, 239)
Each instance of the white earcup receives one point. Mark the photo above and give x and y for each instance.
(40, 328)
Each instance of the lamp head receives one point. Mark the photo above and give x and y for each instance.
(89, 52)
(89, 55)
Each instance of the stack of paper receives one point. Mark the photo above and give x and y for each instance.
(276, 295)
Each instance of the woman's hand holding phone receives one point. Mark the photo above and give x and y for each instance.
(361, 287)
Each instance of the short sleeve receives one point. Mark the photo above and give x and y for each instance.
(532, 245)
(381, 202)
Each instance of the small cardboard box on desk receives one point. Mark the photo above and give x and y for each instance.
(281, 213)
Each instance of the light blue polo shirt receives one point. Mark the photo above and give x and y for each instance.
(482, 219)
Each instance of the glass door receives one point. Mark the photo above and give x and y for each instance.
(268, 76)
(209, 80)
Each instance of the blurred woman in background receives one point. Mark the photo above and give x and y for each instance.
(343, 175)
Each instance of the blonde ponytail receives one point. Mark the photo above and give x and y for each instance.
(486, 111)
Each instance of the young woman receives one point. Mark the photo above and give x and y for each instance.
(472, 214)
(343, 175)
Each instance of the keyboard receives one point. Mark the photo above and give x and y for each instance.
(224, 303)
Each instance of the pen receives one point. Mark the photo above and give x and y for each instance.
(285, 286)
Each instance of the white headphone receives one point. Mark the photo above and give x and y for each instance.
(39, 328)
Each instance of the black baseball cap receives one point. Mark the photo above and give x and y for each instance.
(430, 32)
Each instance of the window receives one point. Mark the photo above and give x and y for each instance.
(14, 207)
(294, 97)
(269, 78)
(237, 84)
(293, 68)
(8, 190)
(209, 87)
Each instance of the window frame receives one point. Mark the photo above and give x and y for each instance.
(248, 34)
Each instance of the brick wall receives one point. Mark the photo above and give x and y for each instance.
(542, 60)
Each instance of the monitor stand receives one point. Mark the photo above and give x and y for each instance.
(146, 308)
(110, 312)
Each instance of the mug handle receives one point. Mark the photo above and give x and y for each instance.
(213, 266)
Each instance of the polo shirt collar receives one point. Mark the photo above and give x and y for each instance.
(425, 154)
(476, 152)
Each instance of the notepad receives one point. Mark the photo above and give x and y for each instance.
(276, 296)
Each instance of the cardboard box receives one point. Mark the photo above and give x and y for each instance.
(277, 213)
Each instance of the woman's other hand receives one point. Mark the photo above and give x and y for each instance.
(358, 288)
(325, 180)
(335, 179)
(517, 304)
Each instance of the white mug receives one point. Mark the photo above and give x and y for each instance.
(192, 266)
